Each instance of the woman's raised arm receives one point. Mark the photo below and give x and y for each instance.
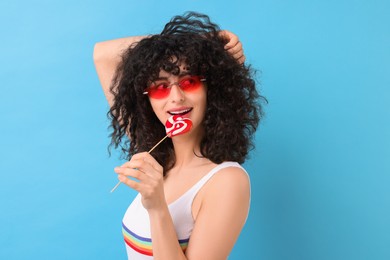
(106, 56)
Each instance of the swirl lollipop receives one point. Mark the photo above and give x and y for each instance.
(175, 125)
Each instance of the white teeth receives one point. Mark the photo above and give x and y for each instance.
(179, 112)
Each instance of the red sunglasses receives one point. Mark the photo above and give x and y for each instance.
(161, 90)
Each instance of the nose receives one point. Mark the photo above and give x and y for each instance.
(176, 95)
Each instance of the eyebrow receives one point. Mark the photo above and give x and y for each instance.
(182, 74)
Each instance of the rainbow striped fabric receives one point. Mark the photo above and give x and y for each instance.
(143, 245)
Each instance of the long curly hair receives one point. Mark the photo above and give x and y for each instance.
(233, 111)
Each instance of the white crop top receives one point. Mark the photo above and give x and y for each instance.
(136, 225)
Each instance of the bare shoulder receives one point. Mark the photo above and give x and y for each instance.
(230, 179)
(230, 185)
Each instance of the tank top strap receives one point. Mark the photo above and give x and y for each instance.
(194, 190)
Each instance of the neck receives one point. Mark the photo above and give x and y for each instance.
(187, 149)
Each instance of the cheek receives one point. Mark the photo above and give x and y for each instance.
(158, 109)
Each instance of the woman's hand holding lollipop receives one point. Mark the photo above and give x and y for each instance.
(148, 175)
(144, 163)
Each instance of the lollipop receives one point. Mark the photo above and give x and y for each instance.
(175, 125)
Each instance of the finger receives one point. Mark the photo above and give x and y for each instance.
(236, 49)
(238, 55)
(129, 182)
(146, 157)
(130, 172)
(241, 60)
(143, 165)
(136, 156)
(150, 160)
(231, 44)
(230, 37)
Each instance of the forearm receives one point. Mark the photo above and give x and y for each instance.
(164, 239)
(106, 56)
(112, 49)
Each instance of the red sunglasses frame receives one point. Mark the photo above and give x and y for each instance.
(155, 92)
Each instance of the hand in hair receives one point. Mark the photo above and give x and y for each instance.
(234, 46)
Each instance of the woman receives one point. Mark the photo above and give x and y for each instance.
(193, 194)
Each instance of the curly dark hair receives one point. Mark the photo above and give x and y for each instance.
(233, 111)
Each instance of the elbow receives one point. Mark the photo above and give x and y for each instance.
(97, 53)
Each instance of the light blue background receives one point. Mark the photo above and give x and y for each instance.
(321, 170)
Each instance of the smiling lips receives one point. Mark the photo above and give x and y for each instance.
(180, 112)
